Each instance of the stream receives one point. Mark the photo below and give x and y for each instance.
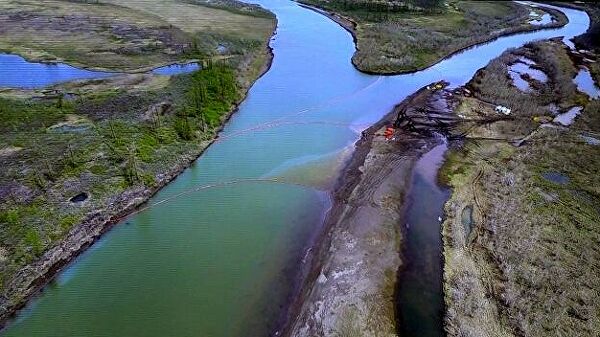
(223, 261)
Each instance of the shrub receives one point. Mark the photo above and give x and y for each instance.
(183, 128)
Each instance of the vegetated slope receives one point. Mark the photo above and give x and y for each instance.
(395, 37)
(77, 155)
(128, 35)
(521, 240)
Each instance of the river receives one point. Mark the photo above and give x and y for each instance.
(222, 262)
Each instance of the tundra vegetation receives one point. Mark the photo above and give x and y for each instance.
(521, 242)
(394, 36)
(132, 34)
(77, 151)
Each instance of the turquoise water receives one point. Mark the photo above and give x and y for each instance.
(222, 261)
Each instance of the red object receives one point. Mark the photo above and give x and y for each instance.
(389, 132)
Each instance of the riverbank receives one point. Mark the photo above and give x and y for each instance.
(101, 209)
(520, 238)
(129, 36)
(378, 32)
(590, 40)
(350, 289)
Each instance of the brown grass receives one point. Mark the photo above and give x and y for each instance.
(400, 41)
(530, 267)
(128, 35)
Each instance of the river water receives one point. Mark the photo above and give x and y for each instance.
(420, 300)
(221, 262)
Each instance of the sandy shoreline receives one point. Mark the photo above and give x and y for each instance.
(31, 279)
(362, 225)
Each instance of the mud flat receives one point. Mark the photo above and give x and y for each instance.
(351, 287)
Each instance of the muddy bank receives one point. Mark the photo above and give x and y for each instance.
(32, 278)
(351, 283)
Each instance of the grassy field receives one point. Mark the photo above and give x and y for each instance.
(115, 140)
(521, 234)
(399, 39)
(132, 34)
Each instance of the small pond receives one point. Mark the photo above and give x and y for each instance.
(567, 118)
(555, 177)
(466, 217)
(590, 140)
(81, 197)
(538, 19)
(176, 69)
(523, 67)
(585, 83)
(17, 72)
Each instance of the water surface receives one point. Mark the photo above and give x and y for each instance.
(16, 72)
(420, 289)
(585, 83)
(567, 118)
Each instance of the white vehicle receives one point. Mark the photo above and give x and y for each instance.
(503, 110)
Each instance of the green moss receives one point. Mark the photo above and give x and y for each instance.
(33, 240)
(9, 217)
(98, 169)
(453, 168)
(68, 221)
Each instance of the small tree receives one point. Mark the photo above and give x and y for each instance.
(130, 170)
(183, 127)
